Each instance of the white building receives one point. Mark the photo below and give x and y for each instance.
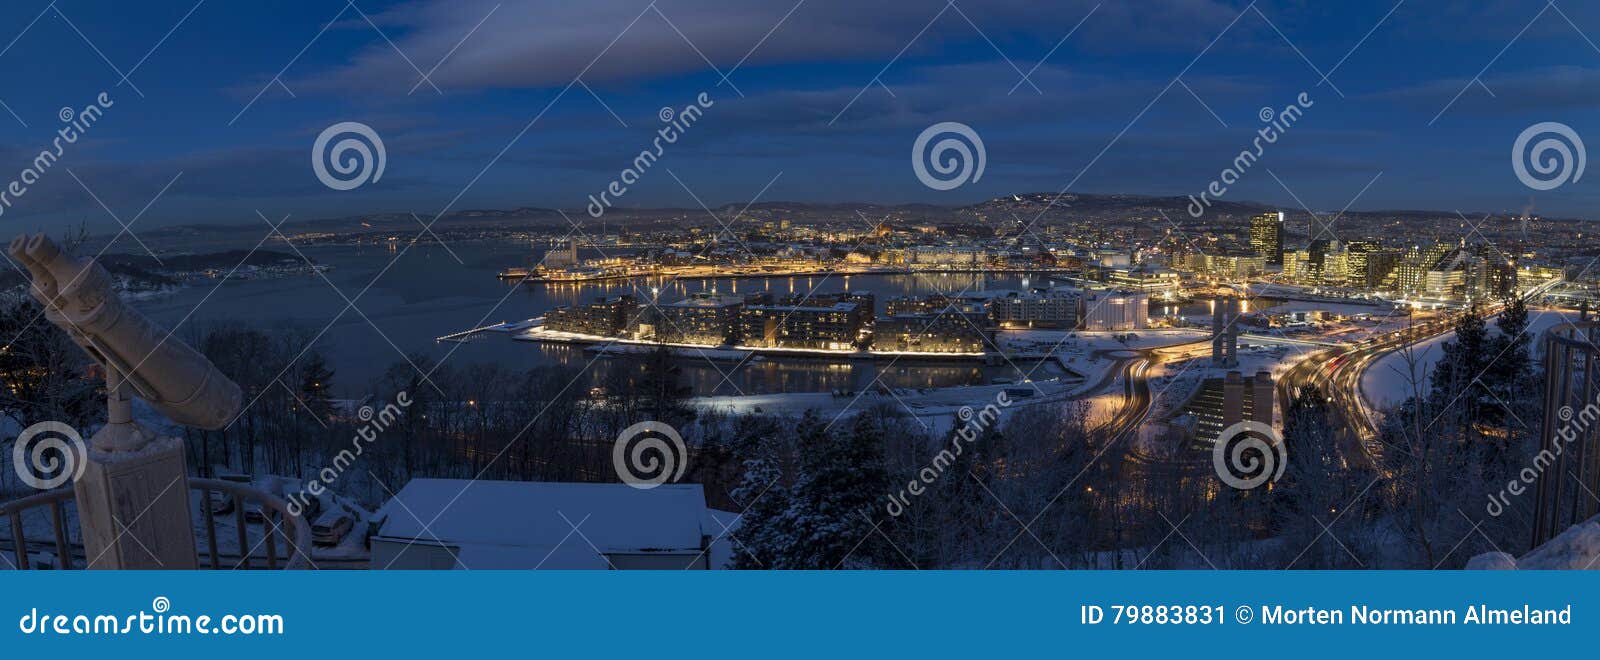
(1114, 310)
(518, 525)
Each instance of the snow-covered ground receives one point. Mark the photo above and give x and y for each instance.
(1388, 382)
(924, 403)
(1084, 342)
(1577, 548)
(1336, 308)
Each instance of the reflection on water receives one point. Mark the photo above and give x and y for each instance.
(771, 375)
(404, 301)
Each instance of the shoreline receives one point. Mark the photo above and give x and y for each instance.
(735, 353)
(507, 274)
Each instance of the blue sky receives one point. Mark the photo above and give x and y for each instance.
(211, 118)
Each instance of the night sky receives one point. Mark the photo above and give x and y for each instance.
(823, 100)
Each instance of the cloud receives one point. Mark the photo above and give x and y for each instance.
(528, 44)
(1548, 89)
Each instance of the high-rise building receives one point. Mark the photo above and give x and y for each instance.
(1379, 263)
(1411, 274)
(1266, 236)
(1318, 251)
(1296, 266)
(1336, 268)
(1356, 262)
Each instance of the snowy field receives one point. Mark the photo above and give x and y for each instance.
(1387, 382)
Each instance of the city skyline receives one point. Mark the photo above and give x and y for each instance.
(1073, 285)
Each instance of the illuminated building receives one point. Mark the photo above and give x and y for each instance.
(704, 318)
(1114, 310)
(1266, 236)
(1154, 281)
(606, 316)
(1018, 310)
(954, 329)
(833, 327)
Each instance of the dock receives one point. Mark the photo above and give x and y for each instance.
(503, 326)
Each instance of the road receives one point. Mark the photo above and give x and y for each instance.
(1337, 372)
(1137, 398)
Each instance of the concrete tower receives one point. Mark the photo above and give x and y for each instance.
(1261, 398)
(1225, 333)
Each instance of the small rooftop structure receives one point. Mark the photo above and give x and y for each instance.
(533, 525)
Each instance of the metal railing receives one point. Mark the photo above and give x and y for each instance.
(272, 515)
(56, 500)
(1569, 441)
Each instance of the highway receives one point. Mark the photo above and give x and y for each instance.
(1136, 398)
(1136, 395)
(1337, 373)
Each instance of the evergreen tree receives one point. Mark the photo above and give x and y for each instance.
(1314, 459)
(661, 394)
(842, 479)
(761, 535)
(1316, 482)
(1458, 395)
(1508, 374)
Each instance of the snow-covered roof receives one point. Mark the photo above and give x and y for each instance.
(516, 524)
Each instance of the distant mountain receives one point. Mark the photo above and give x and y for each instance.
(1046, 206)
(1114, 203)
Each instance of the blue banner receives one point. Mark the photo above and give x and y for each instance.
(767, 614)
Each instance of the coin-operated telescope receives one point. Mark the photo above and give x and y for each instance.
(128, 473)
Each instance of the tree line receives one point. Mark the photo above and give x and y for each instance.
(1046, 487)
